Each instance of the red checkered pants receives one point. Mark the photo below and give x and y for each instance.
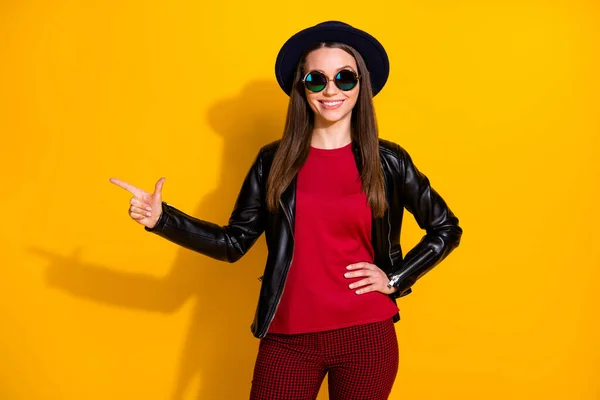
(361, 362)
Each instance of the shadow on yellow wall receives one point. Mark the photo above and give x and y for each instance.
(219, 346)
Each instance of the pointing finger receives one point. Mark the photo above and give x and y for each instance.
(129, 187)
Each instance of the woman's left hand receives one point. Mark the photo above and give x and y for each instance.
(375, 279)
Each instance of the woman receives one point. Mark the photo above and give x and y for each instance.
(330, 197)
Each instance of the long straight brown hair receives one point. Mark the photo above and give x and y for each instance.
(295, 143)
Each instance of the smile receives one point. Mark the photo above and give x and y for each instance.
(331, 105)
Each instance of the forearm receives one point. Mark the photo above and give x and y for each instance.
(195, 234)
(436, 245)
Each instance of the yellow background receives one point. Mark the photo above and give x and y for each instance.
(497, 101)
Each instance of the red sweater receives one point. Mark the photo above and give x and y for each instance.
(332, 230)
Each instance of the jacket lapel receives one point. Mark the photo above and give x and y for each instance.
(288, 202)
(379, 226)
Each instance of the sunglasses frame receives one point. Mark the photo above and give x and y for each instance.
(356, 75)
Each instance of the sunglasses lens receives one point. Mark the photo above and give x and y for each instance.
(315, 81)
(346, 79)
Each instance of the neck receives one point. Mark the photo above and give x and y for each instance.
(331, 135)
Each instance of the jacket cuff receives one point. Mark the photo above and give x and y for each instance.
(401, 292)
(403, 287)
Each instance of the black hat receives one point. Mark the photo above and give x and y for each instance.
(332, 31)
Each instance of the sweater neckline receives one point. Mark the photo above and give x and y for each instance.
(330, 152)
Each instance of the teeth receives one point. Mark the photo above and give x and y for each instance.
(331, 103)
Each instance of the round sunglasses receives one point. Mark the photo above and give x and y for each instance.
(316, 81)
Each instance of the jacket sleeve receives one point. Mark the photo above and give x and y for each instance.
(226, 243)
(433, 215)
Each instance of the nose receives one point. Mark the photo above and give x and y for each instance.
(331, 89)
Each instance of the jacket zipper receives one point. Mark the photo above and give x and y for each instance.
(389, 223)
(389, 239)
(396, 278)
(282, 286)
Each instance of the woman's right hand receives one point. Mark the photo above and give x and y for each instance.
(145, 208)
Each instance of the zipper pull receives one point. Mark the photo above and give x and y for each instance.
(393, 281)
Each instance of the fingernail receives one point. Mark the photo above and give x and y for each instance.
(149, 208)
(349, 267)
(351, 286)
(347, 274)
(148, 214)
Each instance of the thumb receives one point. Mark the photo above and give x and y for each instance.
(158, 190)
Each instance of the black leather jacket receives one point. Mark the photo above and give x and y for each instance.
(405, 187)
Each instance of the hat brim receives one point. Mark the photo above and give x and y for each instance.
(369, 48)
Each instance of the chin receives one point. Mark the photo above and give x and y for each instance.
(331, 116)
